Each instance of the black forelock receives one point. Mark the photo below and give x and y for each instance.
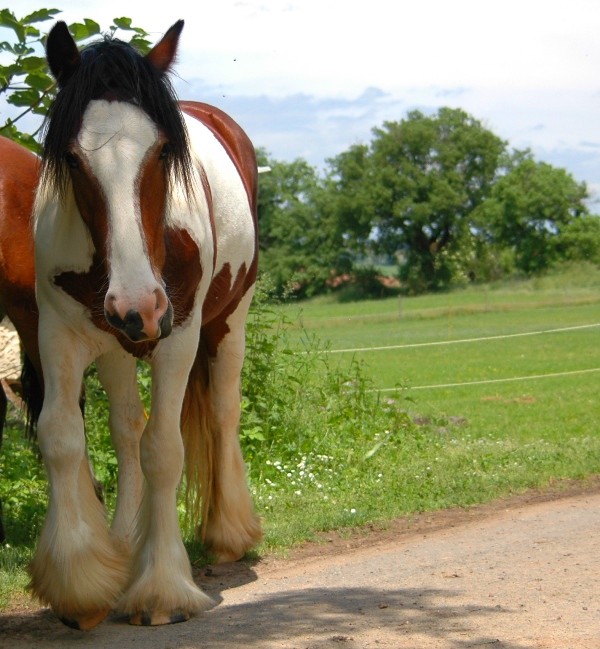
(112, 69)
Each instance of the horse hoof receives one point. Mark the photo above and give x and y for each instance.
(227, 557)
(156, 618)
(86, 622)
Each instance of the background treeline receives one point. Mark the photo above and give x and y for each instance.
(439, 199)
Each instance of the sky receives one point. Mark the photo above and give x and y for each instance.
(310, 78)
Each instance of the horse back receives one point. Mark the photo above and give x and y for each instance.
(228, 285)
(18, 180)
(233, 139)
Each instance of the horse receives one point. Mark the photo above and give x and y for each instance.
(145, 246)
(19, 169)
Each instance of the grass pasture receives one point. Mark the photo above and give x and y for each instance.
(462, 337)
(501, 386)
(473, 395)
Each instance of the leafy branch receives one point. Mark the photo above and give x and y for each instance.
(24, 78)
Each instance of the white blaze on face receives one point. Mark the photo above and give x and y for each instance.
(114, 141)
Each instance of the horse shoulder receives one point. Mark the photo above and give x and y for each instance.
(18, 179)
(228, 164)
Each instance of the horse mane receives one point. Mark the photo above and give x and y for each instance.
(114, 70)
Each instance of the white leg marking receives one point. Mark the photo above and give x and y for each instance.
(76, 568)
(232, 527)
(117, 373)
(162, 589)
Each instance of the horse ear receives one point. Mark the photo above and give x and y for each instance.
(62, 53)
(163, 53)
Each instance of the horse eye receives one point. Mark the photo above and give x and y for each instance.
(166, 151)
(71, 160)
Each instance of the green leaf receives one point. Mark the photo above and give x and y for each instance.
(41, 15)
(22, 49)
(7, 19)
(123, 23)
(24, 97)
(10, 131)
(370, 453)
(5, 46)
(81, 31)
(43, 107)
(32, 32)
(140, 44)
(33, 64)
(39, 81)
(12, 70)
(92, 25)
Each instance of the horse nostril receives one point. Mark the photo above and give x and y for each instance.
(110, 304)
(166, 321)
(162, 301)
(133, 325)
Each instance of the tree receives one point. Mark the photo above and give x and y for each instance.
(24, 81)
(579, 240)
(300, 245)
(411, 192)
(528, 209)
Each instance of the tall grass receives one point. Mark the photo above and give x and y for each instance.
(311, 429)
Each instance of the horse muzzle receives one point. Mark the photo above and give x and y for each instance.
(150, 318)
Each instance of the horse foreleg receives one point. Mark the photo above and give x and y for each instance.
(231, 526)
(162, 590)
(117, 373)
(76, 568)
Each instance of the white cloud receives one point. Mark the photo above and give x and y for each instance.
(297, 73)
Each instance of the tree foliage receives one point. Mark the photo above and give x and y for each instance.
(442, 194)
(579, 240)
(528, 207)
(301, 245)
(25, 83)
(412, 191)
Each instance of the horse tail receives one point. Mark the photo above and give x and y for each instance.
(32, 395)
(200, 443)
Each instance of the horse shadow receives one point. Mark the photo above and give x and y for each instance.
(214, 580)
(310, 618)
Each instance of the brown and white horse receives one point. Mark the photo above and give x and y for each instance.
(145, 247)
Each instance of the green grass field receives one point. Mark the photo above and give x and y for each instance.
(478, 394)
(464, 337)
(500, 384)
(476, 349)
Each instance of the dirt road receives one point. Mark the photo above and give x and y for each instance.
(519, 574)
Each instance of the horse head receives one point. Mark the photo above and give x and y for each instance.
(116, 139)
